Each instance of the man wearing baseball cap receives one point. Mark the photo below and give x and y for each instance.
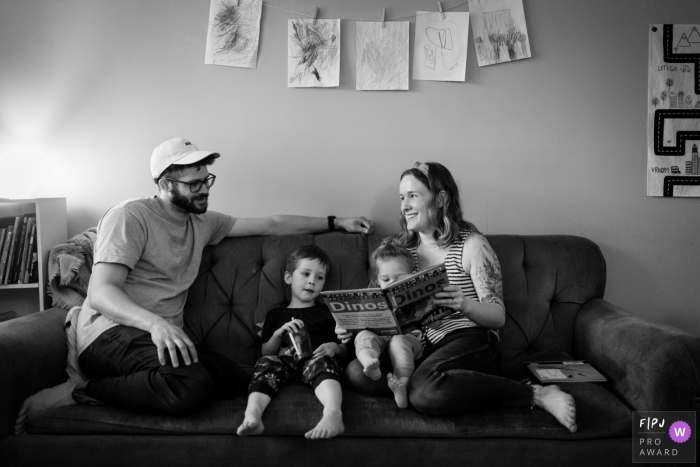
(131, 346)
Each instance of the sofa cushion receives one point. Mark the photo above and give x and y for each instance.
(295, 410)
(546, 279)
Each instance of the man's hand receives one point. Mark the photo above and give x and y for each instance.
(356, 224)
(166, 335)
(329, 348)
(343, 335)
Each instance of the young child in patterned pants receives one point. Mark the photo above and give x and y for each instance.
(306, 273)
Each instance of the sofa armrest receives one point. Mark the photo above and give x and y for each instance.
(32, 357)
(651, 366)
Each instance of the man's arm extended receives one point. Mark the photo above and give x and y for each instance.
(292, 225)
(106, 296)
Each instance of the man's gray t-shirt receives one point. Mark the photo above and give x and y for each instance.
(162, 253)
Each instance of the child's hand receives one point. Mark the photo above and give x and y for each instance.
(329, 348)
(292, 326)
(343, 335)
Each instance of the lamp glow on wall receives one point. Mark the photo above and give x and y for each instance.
(27, 172)
(26, 163)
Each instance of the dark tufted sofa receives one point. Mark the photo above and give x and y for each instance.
(554, 289)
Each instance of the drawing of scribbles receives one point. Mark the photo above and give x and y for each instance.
(500, 32)
(382, 56)
(234, 32)
(442, 38)
(313, 53)
(430, 56)
(441, 46)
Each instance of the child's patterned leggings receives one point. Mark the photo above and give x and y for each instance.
(271, 372)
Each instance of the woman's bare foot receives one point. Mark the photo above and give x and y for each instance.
(252, 425)
(331, 425)
(558, 403)
(46, 399)
(398, 387)
(372, 369)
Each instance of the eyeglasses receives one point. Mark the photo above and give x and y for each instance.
(196, 186)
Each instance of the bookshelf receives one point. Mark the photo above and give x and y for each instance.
(52, 229)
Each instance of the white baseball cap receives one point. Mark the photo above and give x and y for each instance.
(177, 151)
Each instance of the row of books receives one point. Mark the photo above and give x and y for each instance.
(18, 250)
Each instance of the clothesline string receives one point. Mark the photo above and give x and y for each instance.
(358, 19)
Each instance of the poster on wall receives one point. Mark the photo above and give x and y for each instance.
(382, 56)
(499, 30)
(313, 53)
(234, 33)
(440, 52)
(673, 123)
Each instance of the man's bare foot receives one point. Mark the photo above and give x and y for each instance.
(46, 399)
(558, 403)
(372, 369)
(398, 387)
(252, 425)
(331, 425)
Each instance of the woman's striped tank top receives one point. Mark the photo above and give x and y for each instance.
(436, 329)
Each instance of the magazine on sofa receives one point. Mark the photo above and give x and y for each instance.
(573, 371)
(397, 309)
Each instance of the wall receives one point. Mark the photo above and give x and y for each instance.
(555, 144)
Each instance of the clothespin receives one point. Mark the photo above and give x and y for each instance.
(315, 14)
(440, 10)
(383, 12)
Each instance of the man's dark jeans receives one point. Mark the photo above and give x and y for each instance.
(124, 371)
(459, 373)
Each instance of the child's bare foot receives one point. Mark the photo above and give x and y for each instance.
(46, 399)
(252, 425)
(398, 387)
(558, 403)
(372, 369)
(331, 425)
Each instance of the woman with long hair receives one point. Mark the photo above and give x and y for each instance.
(460, 367)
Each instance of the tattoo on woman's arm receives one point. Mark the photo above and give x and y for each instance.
(490, 299)
(488, 272)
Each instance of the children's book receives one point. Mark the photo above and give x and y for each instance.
(11, 254)
(3, 232)
(21, 248)
(5, 253)
(34, 268)
(27, 251)
(574, 371)
(396, 309)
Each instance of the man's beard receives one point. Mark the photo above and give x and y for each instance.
(187, 204)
